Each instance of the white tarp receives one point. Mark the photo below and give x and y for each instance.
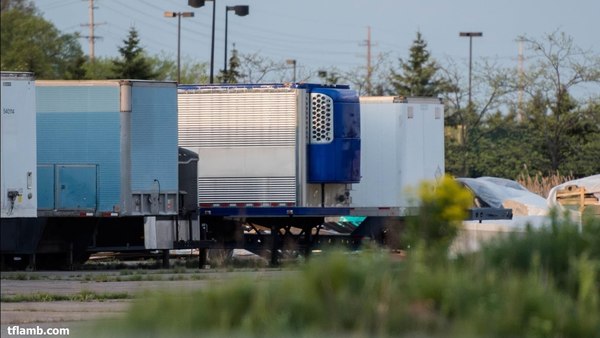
(590, 183)
(529, 209)
(503, 193)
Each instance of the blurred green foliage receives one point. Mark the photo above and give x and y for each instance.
(541, 283)
(442, 207)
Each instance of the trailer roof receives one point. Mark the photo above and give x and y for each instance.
(400, 99)
(111, 82)
(17, 75)
(186, 87)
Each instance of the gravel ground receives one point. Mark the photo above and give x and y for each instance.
(74, 314)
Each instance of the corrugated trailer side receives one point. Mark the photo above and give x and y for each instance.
(78, 127)
(246, 140)
(154, 150)
(107, 147)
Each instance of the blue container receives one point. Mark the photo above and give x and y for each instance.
(107, 147)
(334, 136)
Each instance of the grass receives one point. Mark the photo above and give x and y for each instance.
(541, 283)
(369, 295)
(83, 296)
(20, 276)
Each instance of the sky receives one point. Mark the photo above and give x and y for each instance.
(320, 34)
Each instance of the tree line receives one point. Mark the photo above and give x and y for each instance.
(518, 120)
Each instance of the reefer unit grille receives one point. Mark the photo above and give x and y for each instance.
(321, 113)
(237, 119)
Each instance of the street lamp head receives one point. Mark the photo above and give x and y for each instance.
(196, 3)
(240, 10)
(470, 34)
(290, 61)
(176, 14)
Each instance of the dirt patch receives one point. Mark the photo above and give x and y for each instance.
(46, 312)
(76, 314)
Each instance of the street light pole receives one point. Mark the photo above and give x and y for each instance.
(212, 44)
(197, 4)
(292, 62)
(178, 15)
(470, 35)
(240, 10)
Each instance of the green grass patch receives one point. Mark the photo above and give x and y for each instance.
(543, 283)
(20, 276)
(83, 296)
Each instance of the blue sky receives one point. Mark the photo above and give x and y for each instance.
(324, 33)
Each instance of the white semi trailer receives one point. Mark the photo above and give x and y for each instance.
(19, 189)
(282, 160)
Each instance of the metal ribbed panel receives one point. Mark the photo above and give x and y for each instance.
(246, 190)
(237, 119)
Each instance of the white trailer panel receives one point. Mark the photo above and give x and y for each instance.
(18, 196)
(246, 140)
(402, 145)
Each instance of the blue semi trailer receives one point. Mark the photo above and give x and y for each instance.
(107, 166)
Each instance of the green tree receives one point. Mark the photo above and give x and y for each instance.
(30, 43)
(165, 68)
(466, 124)
(101, 69)
(560, 123)
(233, 74)
(418, 75)
(584, 150)
(576, 147)
(504, 148)
(133, 64)
(21, 5)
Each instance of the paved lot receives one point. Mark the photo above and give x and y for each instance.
(74, 314)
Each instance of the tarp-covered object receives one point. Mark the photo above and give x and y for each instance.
(503, 193)
(588, 187)
(528, 209)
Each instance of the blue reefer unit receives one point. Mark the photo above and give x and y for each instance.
(107, 148)
(334, 142)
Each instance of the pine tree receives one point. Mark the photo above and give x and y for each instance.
(418, 74)
(134, 64)
(232, 75)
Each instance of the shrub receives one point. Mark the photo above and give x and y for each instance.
(541, 283)
(443, 206)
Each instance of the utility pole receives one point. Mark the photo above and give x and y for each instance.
(521, 81)
(92, 37)
(369, 44)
